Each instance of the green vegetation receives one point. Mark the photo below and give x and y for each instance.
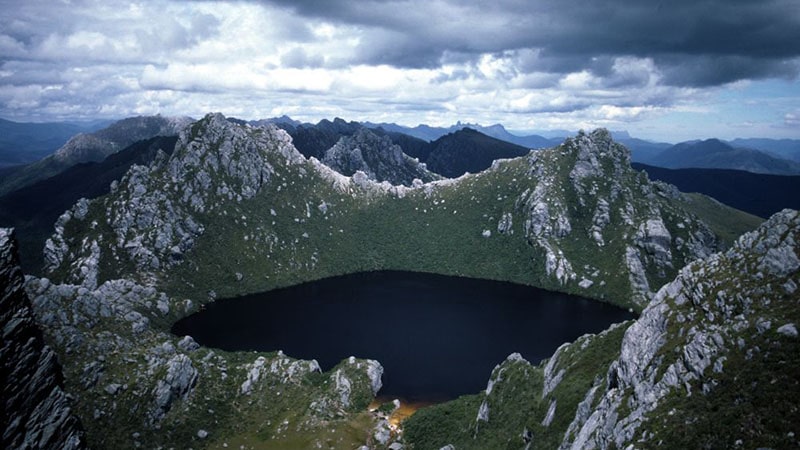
(305, 224)
(515, 404)
(747, 408)
(725, 222)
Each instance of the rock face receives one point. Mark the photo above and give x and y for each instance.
(713, 306)
(377, 157)
(587, 192)
(712, 354)
(36, 412)
(215, 161)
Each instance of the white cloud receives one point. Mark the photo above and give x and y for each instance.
(477, 63)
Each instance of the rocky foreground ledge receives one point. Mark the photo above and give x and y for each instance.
(36, 412)
(134, 385)
(712, 362)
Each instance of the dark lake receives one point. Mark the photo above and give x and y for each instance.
(436, 336)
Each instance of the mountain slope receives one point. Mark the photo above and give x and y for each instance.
(784, 148)
(24, 143)
(759, 194)
(93, 147)
(468, 150)
(377, 158)
(33, 209)
(237, 209)
(716, 349)
(715, 154)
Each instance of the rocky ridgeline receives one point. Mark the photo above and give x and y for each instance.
(133, 377)
(36, 412)
(152, 212)
(714, 306)
(573, 202)
(587, 192)
(95, 146)
(740, 305)
(377, 157)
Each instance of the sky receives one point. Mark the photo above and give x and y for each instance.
(662, 70)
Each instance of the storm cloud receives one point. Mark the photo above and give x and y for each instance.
(545, 64)
(739, 39)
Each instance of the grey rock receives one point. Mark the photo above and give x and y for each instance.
(551, 413)
(37, 413)
(506, 224)
(177, 385)
(377, 158)
(188, 344)
(788, 329)
(703, 289)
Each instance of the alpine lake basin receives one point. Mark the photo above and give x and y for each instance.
(437, 337)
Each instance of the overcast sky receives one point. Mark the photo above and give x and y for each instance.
(665, 70)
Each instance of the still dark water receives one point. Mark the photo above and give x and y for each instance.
(437, 337)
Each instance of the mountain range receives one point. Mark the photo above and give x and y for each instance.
(24, 143)
(225, 207)
(715, 154)
(91, 147)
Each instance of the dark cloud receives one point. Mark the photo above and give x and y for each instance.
(580, 35)
(297, 58)
(714, 70)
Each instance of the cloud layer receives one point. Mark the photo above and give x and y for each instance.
(543, 64)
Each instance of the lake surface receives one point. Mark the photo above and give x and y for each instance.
(436, 336)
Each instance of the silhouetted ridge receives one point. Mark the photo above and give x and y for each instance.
(468, 150)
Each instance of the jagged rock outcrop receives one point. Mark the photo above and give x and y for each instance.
(36, 412)
(377, 157)
(586, 188)
(153, 209)
(714, 307)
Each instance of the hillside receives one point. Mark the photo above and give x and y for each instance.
(92, 147)
(33, 209)
(470, 151)
(759, 194)
(716, 348)
(24, 143)
(784, 148)
(237, 209)
(715, 154)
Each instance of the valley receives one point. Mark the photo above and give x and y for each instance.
(236, 209)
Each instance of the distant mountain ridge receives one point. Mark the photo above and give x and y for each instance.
(451, 155)
(784, 148)
(716, 154)
(93, 147)
(497, 131)
(760, 194)
(468, 150)
(24, 143)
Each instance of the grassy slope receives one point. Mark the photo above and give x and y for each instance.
(516, 403)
